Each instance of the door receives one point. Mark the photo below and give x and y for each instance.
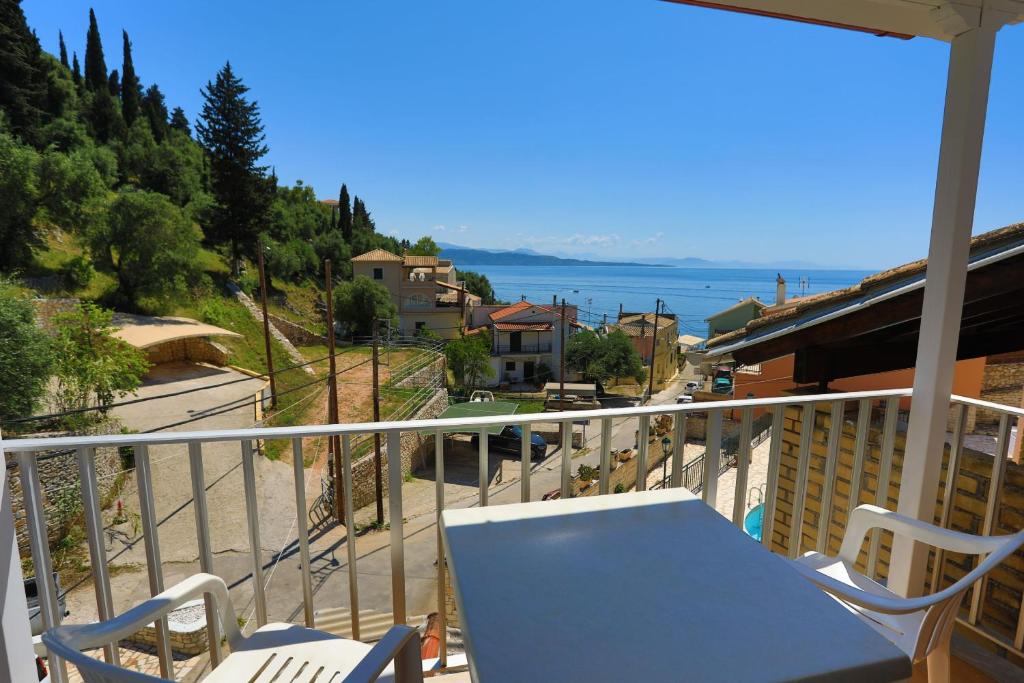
(515, 342)
(529, 372)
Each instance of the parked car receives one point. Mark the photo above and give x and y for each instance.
(685, 398)
(510, 438)
(32, 598)
(722, 385)
(691, 387)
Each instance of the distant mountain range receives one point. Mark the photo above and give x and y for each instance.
(468, 256)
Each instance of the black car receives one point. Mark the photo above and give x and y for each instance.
(510, 438)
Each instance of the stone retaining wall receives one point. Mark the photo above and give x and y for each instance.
(256, 313)
(294, 332)
(194, 349)
(61, 488)
(415, 448)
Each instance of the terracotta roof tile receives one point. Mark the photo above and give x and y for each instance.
(522, 327)
(420, 261)
(377, 256)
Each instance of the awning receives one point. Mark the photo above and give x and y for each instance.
(142, 331)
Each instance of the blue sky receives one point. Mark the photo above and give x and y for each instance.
(615, 128)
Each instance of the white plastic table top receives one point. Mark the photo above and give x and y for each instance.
(652, 586)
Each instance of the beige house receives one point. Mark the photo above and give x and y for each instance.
(658, 350)
(425, 290)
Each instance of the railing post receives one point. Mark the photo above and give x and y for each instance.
(442, 589)
(835, 434)
(712, 457)
(154, 565)
(742, 468)
(771, 493)
(15, 629)
(566, 458)
(678, 448)
(350, 533)
(397, 526)
(253, 518)
(97, 548)
(605, 474)
(49, 607)
(525, 458)
(195, 463)
(643, 441)
(299, 475)
(796, 533)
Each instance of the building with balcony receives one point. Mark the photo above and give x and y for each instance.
(526, 340)
(425, 290)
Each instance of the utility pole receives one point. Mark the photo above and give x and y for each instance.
(334, 442)
(561, 361)
(654, 350)
(378, 483)
(266, 326)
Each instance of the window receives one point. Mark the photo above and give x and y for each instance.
(418, 301)
(378, 273)
(510, 366)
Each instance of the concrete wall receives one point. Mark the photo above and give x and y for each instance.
(1002, 602)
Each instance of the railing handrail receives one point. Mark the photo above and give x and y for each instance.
(433, 425)
(987, 405)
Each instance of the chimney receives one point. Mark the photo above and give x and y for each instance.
(780, 290)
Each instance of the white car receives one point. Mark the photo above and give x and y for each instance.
(685, 398)
(690, 388)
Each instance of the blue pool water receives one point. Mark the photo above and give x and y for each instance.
(753, 522)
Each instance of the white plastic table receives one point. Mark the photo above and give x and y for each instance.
(652, 586)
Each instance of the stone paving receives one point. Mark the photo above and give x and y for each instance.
(143, 659)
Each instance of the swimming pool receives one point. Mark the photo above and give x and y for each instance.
(753, 522)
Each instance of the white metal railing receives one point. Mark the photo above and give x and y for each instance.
(25, 451)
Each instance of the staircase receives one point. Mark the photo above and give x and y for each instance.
(372, 625)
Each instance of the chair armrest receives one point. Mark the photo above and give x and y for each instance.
(861, 598)
(867, 517)
(400, 644)
(123, 625)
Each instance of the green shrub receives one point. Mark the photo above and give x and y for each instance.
(78, 273)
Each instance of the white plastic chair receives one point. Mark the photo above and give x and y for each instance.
(921, 627)
(274, 652)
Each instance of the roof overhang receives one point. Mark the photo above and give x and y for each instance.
(143, 331)
(905, 19)
(877, 328)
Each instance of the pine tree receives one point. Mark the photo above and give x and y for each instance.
(154, 109)
(114, 84)
(230, 130)
(131, 90)
(63, 51)
(345, 214)
(95, 66)
(179, 121)
(76, 70)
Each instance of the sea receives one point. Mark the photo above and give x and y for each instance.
(692, 294)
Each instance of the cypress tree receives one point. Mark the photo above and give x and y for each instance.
(114, 84)
(361, 217)
(179, 121)
(95, 66)
(131, 91)
(76, 71)
(345, 214)
(63, 51)
(23, 73)
(230, 130)
(154, 109)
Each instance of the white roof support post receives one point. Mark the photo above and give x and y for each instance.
(17, 661)
(963, 126)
